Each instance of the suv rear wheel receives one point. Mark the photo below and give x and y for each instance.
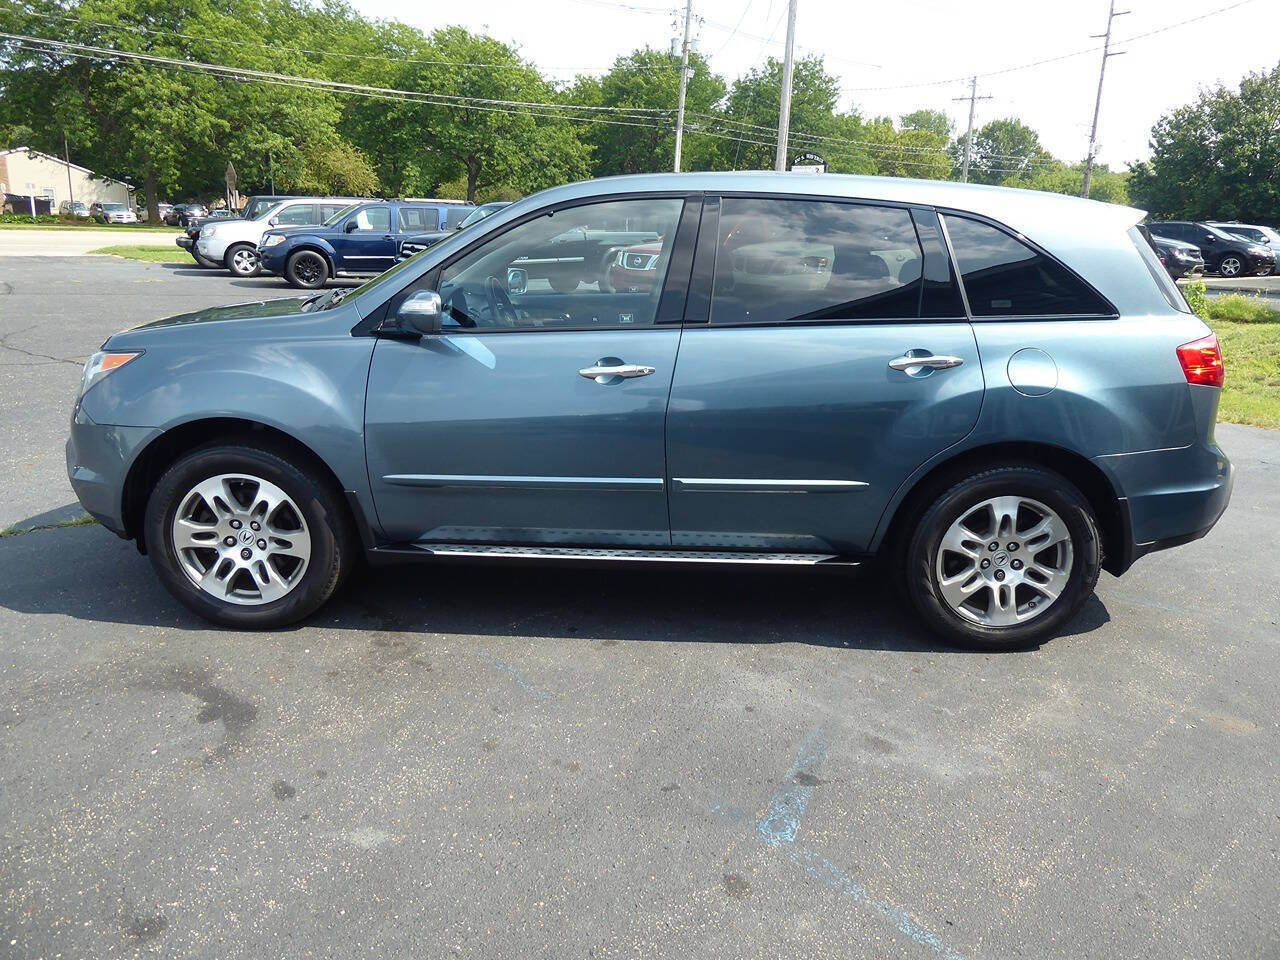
(242, 260)
(1003, 558)
(307, 269)
(246, 538)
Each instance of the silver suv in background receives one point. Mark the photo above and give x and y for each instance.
(234, 244)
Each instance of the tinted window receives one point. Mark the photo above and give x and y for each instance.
(454, 216)
(300, 213)
(329, 210)
(808, 260)
(596, 265)
(418, 219)
(373, 220)
(1004, 277)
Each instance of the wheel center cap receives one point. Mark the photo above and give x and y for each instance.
(246, 536)
(1001, 559)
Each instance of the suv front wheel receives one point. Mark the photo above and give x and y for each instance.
(245, 537)
(242, 260)
(307, 269)
(1004, 558)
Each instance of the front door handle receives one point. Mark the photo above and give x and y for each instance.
(917, 360)
(610, 370)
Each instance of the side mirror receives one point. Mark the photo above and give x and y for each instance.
(517, 280)
(351, 226)
(422, 311)
(1210, 238)
(274, 222)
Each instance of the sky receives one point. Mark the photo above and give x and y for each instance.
(895, 57)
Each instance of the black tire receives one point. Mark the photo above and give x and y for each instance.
(1230, 265)
(920, 557)
(307, 269)
(334, 544)
(238, 258)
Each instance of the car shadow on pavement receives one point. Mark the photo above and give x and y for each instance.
(109, 582)
(265, 282)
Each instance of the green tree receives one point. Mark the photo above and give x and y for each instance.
(929, 121)
(1108, 186)
(1216, 157)
(1002, 149)
(752, 108)
(337, 169)
(908, 152)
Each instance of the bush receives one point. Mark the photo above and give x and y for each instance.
(27, 218)
(1197, 298)
(99, 218)
(1239, 308)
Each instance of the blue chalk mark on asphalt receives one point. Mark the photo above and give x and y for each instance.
(521, 682)
(781, 823)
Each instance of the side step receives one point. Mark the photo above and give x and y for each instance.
(613, 553)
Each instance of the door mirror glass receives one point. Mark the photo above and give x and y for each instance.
(274, 221)
(421, 311)
(517, 281)
(1209, 238)
(351, 226)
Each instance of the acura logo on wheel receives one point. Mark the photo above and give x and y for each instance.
(246, 536)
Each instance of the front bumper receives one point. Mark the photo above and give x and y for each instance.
(1167, 497)
(185, 242)
(98, 460)
(271, 259)
(210, 247)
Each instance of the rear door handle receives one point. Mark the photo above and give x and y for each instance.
(914, 364)
(603, 373)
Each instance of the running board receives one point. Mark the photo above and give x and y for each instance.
(613, 553)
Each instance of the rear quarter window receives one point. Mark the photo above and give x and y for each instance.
(1005, 277)
(1146, 247)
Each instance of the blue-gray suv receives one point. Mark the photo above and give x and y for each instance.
(996, 393)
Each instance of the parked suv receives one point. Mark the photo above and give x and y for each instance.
(113, 212)
(995, 393)
(360, 240)
(469, 217)
(1180, 259)
(1252, 231)
(234, 244)
(74, 208)
(1224, 253)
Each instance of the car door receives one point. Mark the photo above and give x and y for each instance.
(536, 416)
(366, 243)
(826, 356)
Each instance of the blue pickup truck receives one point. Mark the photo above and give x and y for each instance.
(360, 240)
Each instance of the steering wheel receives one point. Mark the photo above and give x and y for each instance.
(501, 309)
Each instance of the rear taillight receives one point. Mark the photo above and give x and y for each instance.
(1202, 361)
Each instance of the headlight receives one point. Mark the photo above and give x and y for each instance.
(272, 239)
(102, 363)
(1258, 251)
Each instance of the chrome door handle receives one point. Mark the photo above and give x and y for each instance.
(625, 370)
(910, 364)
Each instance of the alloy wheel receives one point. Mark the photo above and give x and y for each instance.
(241, 539)
(244, 261)
(308, 268)
(1004, 561)
(1230, 266)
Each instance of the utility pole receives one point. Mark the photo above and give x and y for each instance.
(271, 172)
(1097, 106)
(973, 99)
(684, 81)
(66, 156)
(784, 108)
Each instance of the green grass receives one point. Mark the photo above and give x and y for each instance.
(1251, 352)
(1239, 308)
(148, 254)
(90, 225)
(84, 520)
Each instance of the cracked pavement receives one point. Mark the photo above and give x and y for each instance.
(493, 762)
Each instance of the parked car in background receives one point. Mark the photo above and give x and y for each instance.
(1180, 259)
(419, 242)
(191, 231)
(234, 244)
(361, 240)
(113, 212)
(74, 208)
(994, 393)
(1252, 231)
(182, 212)
(1224, 253)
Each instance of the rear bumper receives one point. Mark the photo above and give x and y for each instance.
(1167, 497)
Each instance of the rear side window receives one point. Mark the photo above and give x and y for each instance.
(300, 213)
(454, 216)
(1146, 247)
(813, 260)
(419, 219)
(1004, 277)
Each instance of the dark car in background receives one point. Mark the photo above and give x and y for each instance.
(183, 212)
(1180, 259)
(1252, 231)
(419, 242)
(1224, 253)
(361, 240)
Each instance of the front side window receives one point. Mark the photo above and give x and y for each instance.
(1004, 277)
(418, 219)
(810, 260)
(373, 220)
(595, 265)
(301, 213)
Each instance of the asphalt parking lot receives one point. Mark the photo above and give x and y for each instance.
(532, 762)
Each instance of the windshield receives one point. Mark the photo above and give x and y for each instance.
(258, 209)
(340, 214)
(1222, 234)
(113, 207)
(479, 213)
